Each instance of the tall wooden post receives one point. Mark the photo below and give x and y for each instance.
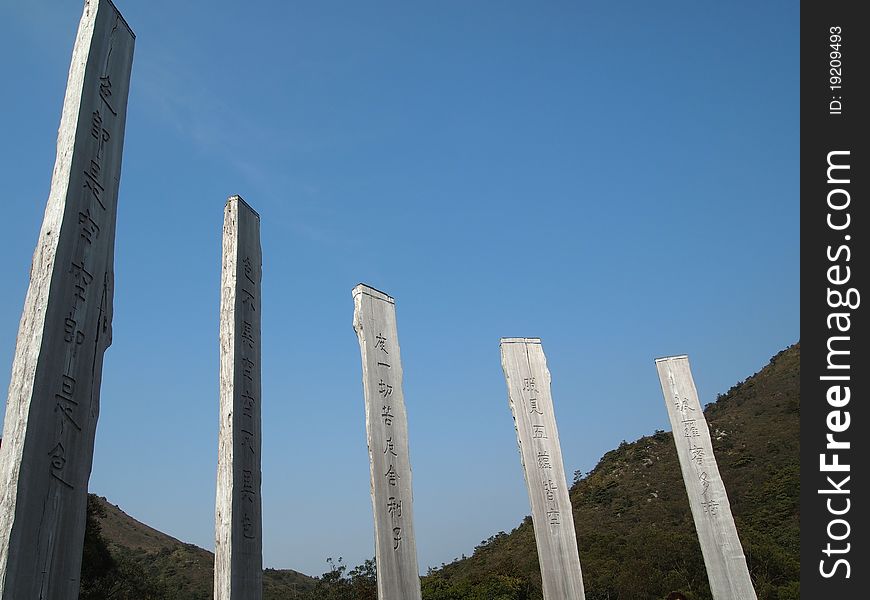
(374, 320)
(238, 572)
(66, 326)
(711, 511)
(528, 383)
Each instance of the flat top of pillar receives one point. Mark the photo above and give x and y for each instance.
(374, 293)
(120, 16)
(676, 356)
(241, 200)
(520, 340)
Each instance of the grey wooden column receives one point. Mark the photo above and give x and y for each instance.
(238, 573)
(374, 320)
(711, 511)
(528, 383)
(66, 325)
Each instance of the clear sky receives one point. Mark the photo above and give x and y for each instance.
(618, 178)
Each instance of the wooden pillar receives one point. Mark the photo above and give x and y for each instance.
(66, 325)
(238, 573)
(528, 383)
(374, 320)
(711, 511)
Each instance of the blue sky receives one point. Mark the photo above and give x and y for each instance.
(619, 179)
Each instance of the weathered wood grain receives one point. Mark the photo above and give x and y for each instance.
(238, 573)
(711, 511)
(374, 320)
(66, 325)
(528, 383)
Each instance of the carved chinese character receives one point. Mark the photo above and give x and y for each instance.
(89, 229)
(58, 462)
(381, 343)
(248, 526)
(390, 447)
(246, 422)
(394, 507)
(544, 460)
(247, 491)
(384, 389)
(80, 274)
(94, 170)
(98, 132)
(94, 185)
(710, 507)
(67, 385)
(248, 441)
(248, 369)
(392, 476)
(690, 429)
(550, 490)
(70, 333)
(247, 480)
(705, 483)
(533, 404)
(78, 295)
(553, 517)
(397, 537)
(538, 432)
(697, 453)
(248, 266)
(248, 334)
(682, 405)
(248, 403)
(529, 384)
(106, 92)
(387, 414)
(82, 278)
(64, 403)
(248, 300)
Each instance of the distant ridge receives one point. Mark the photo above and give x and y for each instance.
(123, 531)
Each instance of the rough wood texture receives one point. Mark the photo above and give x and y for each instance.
(374, 320)
(528, 383)
(66, 325)
(238, 573)
(723, 554)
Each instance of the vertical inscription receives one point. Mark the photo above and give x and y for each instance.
(393, 504)
(238, 518)
(711, 511)
(528, 382)
(387, 433)
(81, 321)
(248, 405)
(54, 392)
(688, 410)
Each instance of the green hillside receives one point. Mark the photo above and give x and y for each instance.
(149, 564)
(634, 529)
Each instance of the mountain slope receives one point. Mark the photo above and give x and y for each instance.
(634, 529)
(635, 532)
(185, 571)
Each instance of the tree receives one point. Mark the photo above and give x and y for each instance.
(97, 561)
(105, 577)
